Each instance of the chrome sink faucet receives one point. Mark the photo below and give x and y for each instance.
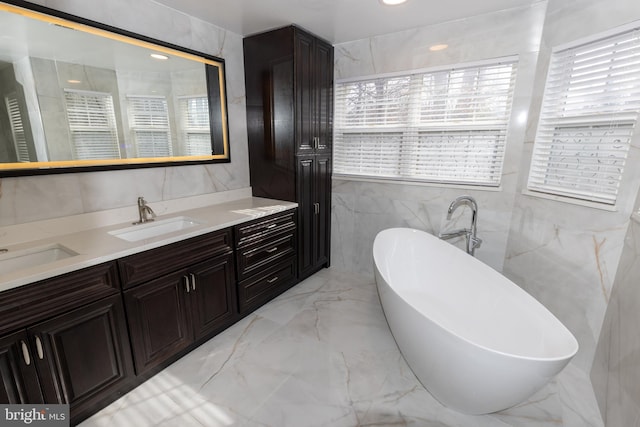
(473, 242)
(143, 211)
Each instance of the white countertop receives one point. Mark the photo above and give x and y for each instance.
(94, 245)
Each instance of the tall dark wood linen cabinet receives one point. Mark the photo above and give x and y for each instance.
(289, 84)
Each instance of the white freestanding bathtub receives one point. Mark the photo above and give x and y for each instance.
(475, 340)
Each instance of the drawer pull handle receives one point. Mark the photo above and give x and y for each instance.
(39, 348)
(193, 281)
(186, 284)
(272, 250)
(270, 226)
(272, 280)
(25, 353)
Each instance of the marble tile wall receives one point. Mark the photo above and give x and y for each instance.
(28, 199)
(616, 370)
(567, 255)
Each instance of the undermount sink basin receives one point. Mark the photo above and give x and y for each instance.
(154, 229)
(17, 260)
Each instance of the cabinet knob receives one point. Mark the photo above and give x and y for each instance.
(39, 349)
(25, 353)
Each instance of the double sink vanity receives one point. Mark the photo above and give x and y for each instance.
(89, 314)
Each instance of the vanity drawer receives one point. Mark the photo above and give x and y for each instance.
(148, 265)
(263, 228)
(267, 285)
(254, 258)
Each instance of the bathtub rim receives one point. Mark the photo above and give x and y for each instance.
(574, 342)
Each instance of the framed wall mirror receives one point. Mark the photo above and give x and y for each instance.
(76, 95)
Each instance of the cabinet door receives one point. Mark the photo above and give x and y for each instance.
(314, 207)
(158, 320)
(322, 226)
(304, 94)
(323, 94)
(18, 371)
(306, 215)
(83, 356)
(212, 295)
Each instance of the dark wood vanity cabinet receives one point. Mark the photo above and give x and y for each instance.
(266, 259)
(170, 311)
(71, 345)
(87, 337)
(289, 86)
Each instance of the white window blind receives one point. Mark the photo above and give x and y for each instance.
(440, 126)
(589, 111)
(196, 133)
(149, 123)
(92, 124)
(17, 128)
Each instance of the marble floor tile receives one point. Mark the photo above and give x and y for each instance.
(321, 354)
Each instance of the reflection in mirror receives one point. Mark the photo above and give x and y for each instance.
(75, 96)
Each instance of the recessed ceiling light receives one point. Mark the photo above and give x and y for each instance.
(74, 82)
(159, 56)
(392, 2)
(437, 47)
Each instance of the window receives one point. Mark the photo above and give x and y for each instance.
(589, 111)
(444, 126)
(196, 133)
(17, 128)
(149, 122)
(92, 123)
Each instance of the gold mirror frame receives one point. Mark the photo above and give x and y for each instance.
(215, 86)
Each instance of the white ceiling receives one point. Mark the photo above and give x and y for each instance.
(337, 21)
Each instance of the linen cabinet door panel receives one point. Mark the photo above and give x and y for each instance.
(158, 320)
(212, 296)
(322, 231)
(83, 356)
(324, 97)
(306, 214)
(18, 371)
(304, 94)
